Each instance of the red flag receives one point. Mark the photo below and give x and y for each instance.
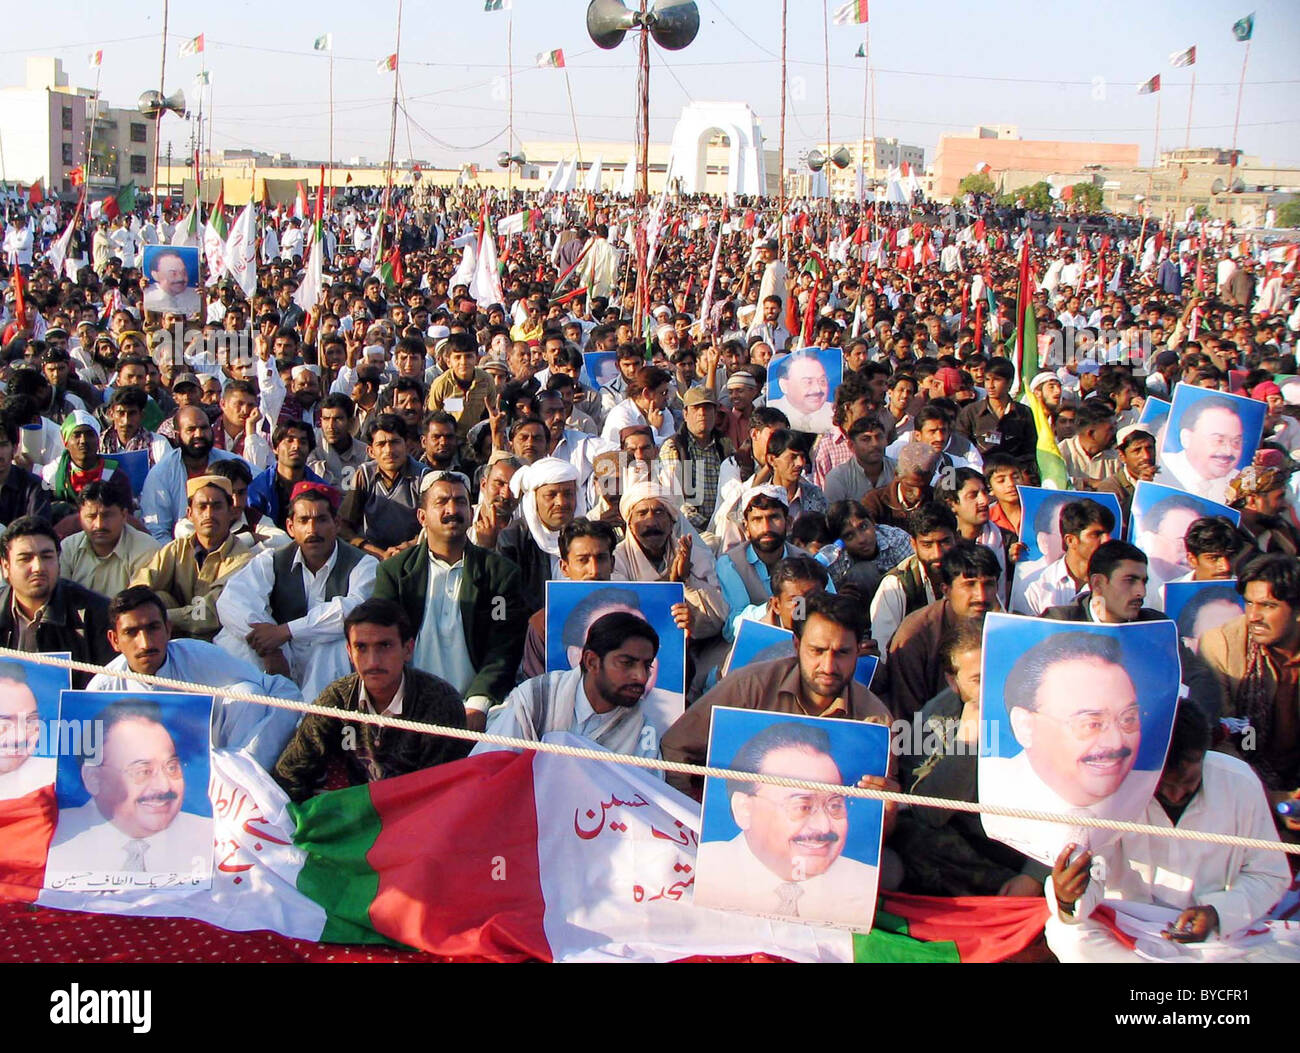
(36, 194)
(979, 229)
(20, 300)
(394, 260)
(809, 316)
(77, 176)
(749, 219)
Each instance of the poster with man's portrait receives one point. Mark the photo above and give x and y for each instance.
(802, 385)
(132, 794)
(1040, 531)
(1196, 607)
(1158, 525)
(1210, 437)
(787, 853)
(1050, 746)
(759, 642)
(599, 368)
(29, 731)
(1154, 417)
(173, 273)
(572, 607)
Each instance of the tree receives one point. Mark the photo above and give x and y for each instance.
(976, 183)
(1087, 197)
(1288, 214)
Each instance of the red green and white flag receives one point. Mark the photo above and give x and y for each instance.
(1150, 87)
(524, 222)
(1244, 28)
(300, 208)
(1179, 59)
(1051, 465)
(187, 230)
(214, 239)
(193, 46)
(502, 856)
(496, 5)
(96, 58)
(387, 64)
(308, 293)
(852, 13)
(120, 204)
(546, 59)
(241, 250)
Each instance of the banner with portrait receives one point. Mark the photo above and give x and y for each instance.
(572, 607)
(802, 385)
(759, 642)
(1040, 530)
(1196, 607)
(1047, 745)
(598, 369)
(173, 273)
(1158, 525)
(1210, 437)
(30, 737)
(787, 853)
(132, 792)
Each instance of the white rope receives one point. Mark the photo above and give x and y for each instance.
(655, 764)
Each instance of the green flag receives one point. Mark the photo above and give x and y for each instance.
(1051, 465)
(1243, 28)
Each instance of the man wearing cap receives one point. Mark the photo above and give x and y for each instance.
(270, 491)
(164, 498)
(302, 402)
(744, 571)
(547, 492)
(690, 460)
(80, 464)
(660, 546)
(1137, 451)
(285, 608)
(189, 573)
(892, 503)
(1259, 492)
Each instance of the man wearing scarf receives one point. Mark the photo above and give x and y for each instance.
(81, 464)
(547, 494)
(661, 545)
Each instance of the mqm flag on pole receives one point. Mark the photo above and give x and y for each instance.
(547, 59)
(1179, 59)
(502, 856)
(193, 46)
(96, 58)
(1243, 28)
(241, 251)
(324, 42)
(1150, 87)
(852, 13)
(300, 208)
(1051, 465)
(58, 252)
(187, 230)
(496, 5)
(861, 52)
(308, 293)
(214, 239)
(387, 64)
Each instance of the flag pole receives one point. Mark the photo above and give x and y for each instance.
(826, 63)
(572, 112)
(157, 121)
(331, 130)
(510, 103)
(1241, 87)
(90, 135)
(780, 154)
(1187, 141)
(392, 125)
(198, 170)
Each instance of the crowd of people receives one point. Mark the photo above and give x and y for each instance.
(359, 501)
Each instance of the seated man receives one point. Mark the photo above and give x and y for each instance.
(380, 643)
(599, 699)
(379, 512)
(914, 582)
(140, 634)
(946, 852)
(107, 551)
(338, 454)
(1206, 890)
(744, 572)
(285, 608)
(968, 575)
(79, 465)
(163, 501)
(189, 573)
(269, 492)
(868, 551)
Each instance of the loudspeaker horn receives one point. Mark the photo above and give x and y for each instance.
(152, 102)
(608, 22)
(1238, 185)
(674, 23)
(505, 159)
(1218, 186)
(816, 160)
(841, 157)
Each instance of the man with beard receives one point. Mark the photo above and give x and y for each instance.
(547, 493)
(1137, 451)
(599, 700)
(744, 572)
(496, 503)
(286, 607)
(189, 573)
(270, 492)
(661, 546)
(163, 499)
(302, 400)
(338, 454)
(968, 575)
(465, 603)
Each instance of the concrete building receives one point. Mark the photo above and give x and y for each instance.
(1001, 148)
(45, 125)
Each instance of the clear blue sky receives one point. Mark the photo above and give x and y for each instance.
(1065, 71)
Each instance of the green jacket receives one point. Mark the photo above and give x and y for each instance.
(493, 612)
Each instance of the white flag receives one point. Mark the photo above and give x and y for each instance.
(592, 182)
(485, 287)
(241, 252)
(59, 250)
(187, 230)
(214, 250)
(306, 295)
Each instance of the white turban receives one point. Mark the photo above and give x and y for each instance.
(547, 471)
(648, 491)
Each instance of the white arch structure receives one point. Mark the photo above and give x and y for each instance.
(745, 169)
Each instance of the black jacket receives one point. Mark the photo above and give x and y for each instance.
(516, 544)
(75, 620)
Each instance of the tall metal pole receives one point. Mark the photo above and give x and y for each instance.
(573, 114)
(331, 180)
(826, 62)
(392, 126)
(1187, 142)
(90, 135)
(780, 155)
(862, 148)
(1241, 86)
(157, 121)
(510, 103)
(643, 114)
